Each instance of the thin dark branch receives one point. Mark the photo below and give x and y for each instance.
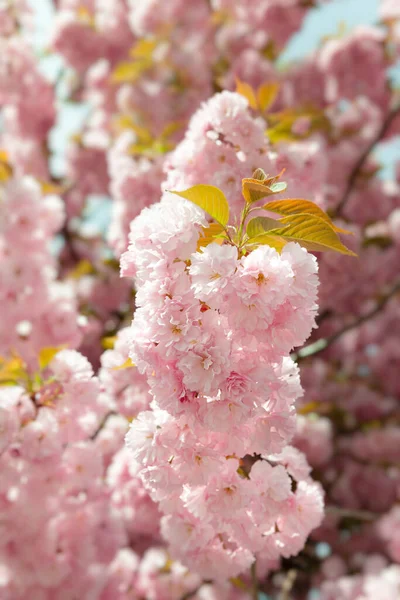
(102, 424)
(69, 243)
(323, 343)
(359, 515)
(326, 314)
(361, 161)
(288, 584)
(254, 582)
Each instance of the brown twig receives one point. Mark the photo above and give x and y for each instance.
(254, 582)
(102, 424)
(323, 343)
(360, 515)
(69, 243)
(288, 584)
(362, 159)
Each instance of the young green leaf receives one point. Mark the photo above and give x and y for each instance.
(46, 355)
(311, 232)
(268, 240)
(128, 364)
(279, 186)
(210, 234)
(295, 206)
(244, 89)
(211, 199)
(12, 370)
(260, 175)
(260, 225)
(266, 94)
(144, 48)
(128, 71)
(108, 342)
(255, 189)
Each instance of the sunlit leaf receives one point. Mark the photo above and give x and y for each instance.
(51, 188)
(244, 89)
(312, 233)
(108, 342)
(209, 234)
(260, 225)
(144, 48)
(219, 17)
(260, 175)
(279, 186)
(84, 267)
(254, 189)
(12, 370)
(166, 568)
(267, 240)
(129, 71)
(266, 94)
(171, 128)
(237, 582)
(211, 199)
(85, 16)
(123, 122)
(128, 364)
(6, 169)
(270, 51)
(46, 355)
(310, 407)
(294, 206)
(282, 124)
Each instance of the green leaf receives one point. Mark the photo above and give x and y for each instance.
(260, 175)
(211, 199)
(210, 234)
(244, 89)
(129, 71)
(128, 364)
(46, 355)
(255, 189)
(82, 268)
(12, 370)
(6, 169)
(279, 186)
(144, 48)
(281, 124)
(108, 342)
(312, 233)
(295, 206)
(237, 582)
(266, 94)
(260, 225)
(267, 240)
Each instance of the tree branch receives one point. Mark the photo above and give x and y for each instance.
(102, 424)
(254, 582)
(323, 343)
(288, 584)
(360, 515)
(361, 161)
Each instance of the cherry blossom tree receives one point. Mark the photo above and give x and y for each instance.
(199, 391)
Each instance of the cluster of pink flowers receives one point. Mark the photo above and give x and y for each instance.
(28, 274)
(212, 333)
(27, 107)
